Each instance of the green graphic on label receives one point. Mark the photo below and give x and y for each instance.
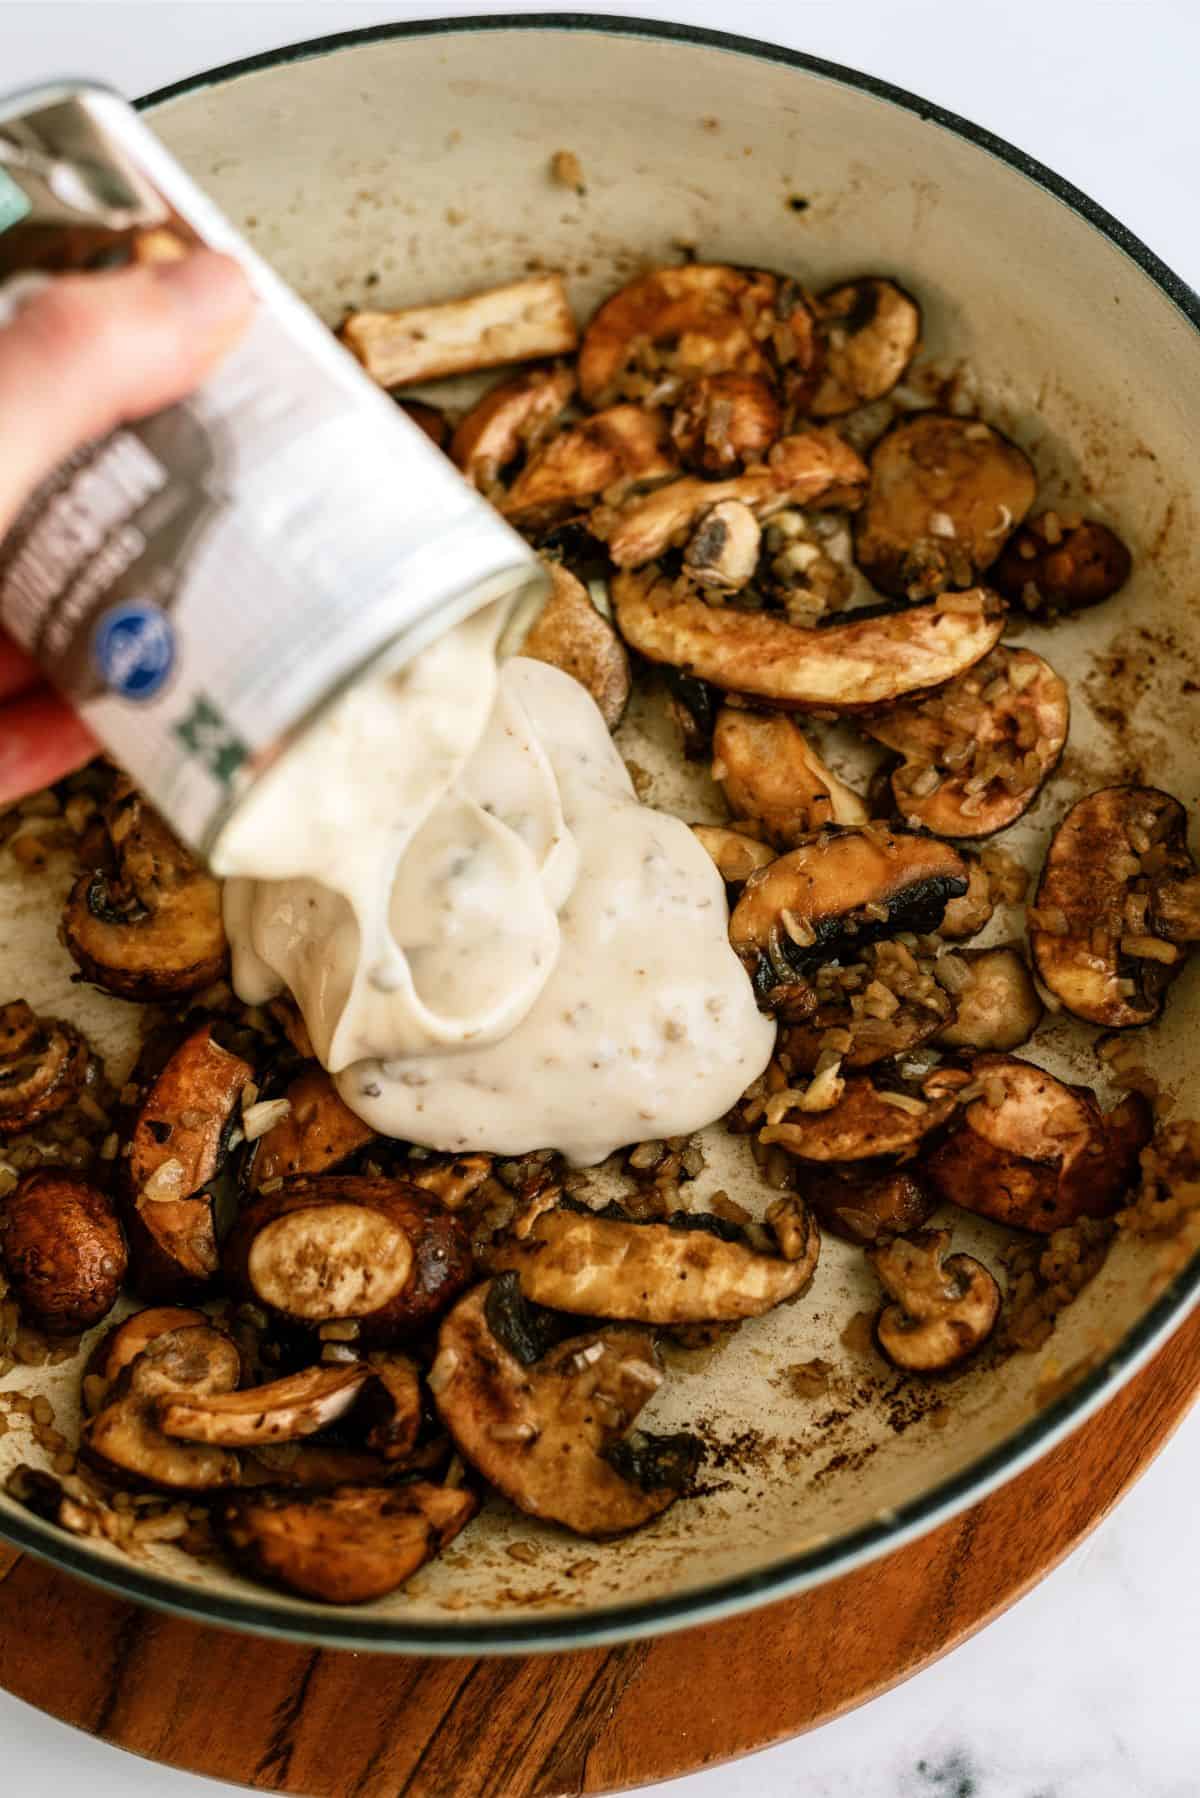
(14, 202)
(207, 735)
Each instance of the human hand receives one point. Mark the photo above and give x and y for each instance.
(83, 355)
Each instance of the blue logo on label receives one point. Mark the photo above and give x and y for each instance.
(134, 649)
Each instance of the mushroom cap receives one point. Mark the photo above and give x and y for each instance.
(1079, 568)
(769, 771)
(999, 1009)
(866, 1123)
(570, 470)
(945, 1305)
(571, 634)
(870, 328)
(863, 1209)
(124, 1342)
(507, 419)
(124, 1439)
(703, 315)
(319, 1133)
(721, 421)
(43, 1067)
(62, 1250)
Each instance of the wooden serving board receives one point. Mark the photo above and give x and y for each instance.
(333, 1724)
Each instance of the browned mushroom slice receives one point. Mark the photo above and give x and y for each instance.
(978, 751)
(996, 1002)
(509, 420)
(690, 1268)
(391, 1406)
(769, 771)
(153, 930)
(348, 1546)
(519, 323)
(451, 1179)
(283, 1410)
(870, 329)
(124, 1342)
(810, 468)
(180, 1139)
(944, 1306)
(318, 1133)
(834, 895)
(570, 470)
(546, 1424)
(346, 1246)
(945, 494)
(855, 664)
(1035, 1153)
(1095, 929)
(43, 1066)
(62, 1251)
(1051, 567)
(722, 552)
(966, 916)
(430, 419)
(675, 324)
(722, 421)
(124, 1439)
(878, 1005)
(736, 855)
(868, 1121)
(570, 634)
(863, 1210)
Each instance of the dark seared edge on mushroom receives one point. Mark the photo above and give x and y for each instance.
(835, 894)
(693, 704)
(345, 1246)
(870, 329)
(864, 1207)
(865, 659)
(317, 1134)
(348, 1546)
(148, 928)
(1118, 896)
(43, 1067)
(570, 634)
(1052, 566)
(943, 1306)
(945, 494)
(977, 752)
(182, 1134)
(1035, 1153)
(770, 772)
(540, 1422)
(123, 1439)
(690, 1268)
(870, 1121)
(62, 1251)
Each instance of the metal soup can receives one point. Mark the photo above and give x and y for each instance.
(199, 584)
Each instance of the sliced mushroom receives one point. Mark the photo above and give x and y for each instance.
(996, 1003)
(62, 1251)
(283, 1410)
(866, 1123)
(1051, 567)
(153, 929)
(880, 1004)
(570, 634)
(723, 421)
(690, 1268)
(769, 771)
(124, 1440)
(318, 1133)
(870, 329)
(545, 1424)
(863, 1210)
(522, 322)
(1035, 1153)
(124, 1342)
(570, 470)
(979, 750)
(945, 1306)
(834, 895)
(513, 418)
(341, 1246)
(348, 1546)
(863, 660)
(693, 705)
(1099, 941)
(430, 419)
(676, 324)
(736, 855)
(945, 495)
(966, 916)
(811, 468)
(43, 1067)
(181, 1136)
(451, 1179)
(391, 1407)
(722, 552)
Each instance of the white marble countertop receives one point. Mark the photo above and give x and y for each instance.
(1087, 1689)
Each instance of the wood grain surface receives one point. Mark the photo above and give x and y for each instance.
(340, 1725)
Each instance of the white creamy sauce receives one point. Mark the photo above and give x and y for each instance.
(493, 943)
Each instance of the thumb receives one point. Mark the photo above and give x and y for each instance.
(87, 352)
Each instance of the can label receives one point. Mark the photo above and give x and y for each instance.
(198, 583)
